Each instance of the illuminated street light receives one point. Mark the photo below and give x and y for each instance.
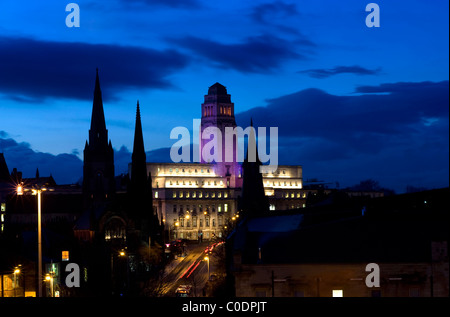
(49, 278)
(16, 271)
(36, 190)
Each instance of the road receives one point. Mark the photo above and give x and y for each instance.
(192, 269)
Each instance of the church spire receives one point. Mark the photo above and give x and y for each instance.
(98, 125)
(138, 157)
(253, 200)
(98, 170)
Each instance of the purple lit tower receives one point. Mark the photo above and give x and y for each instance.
(218, 111)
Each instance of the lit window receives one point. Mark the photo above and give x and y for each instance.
(225, 207)
(194, 194)
(225, 194)
(3, 208)
(338, 293)
(156, 194)
(272, 207)
(174, 195)
(181, 194)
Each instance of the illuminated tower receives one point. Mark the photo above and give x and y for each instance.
(218, 112)
(98, 169)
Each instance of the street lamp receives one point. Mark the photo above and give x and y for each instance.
(16, 271)
(36, 190)
(49, 278)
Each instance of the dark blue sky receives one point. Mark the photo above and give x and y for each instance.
(351, 102)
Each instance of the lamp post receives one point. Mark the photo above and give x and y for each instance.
(49, 278)
(36, 190)
(16, 271)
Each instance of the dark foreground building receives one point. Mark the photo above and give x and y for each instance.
(107, 226)
(324, 251)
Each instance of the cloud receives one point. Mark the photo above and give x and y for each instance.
(400, 135)
(257, 54)
(65, 168)
(33, 70)
(267, 12)
(325, 73)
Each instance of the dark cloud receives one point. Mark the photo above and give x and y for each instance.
(32, 70)
(400, 134)
(258, 54)
(325, 73)
(65, 168)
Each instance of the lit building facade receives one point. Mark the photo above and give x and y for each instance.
(198, 200)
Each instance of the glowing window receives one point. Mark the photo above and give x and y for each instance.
(338, 293)
(156, 194)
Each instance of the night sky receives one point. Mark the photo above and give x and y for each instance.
(351, 102)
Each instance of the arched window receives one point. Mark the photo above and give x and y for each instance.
(115, 229)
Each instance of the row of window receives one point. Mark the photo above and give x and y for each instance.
(177, 170)
(206, 209)
(279, 183)
(286, 207)
(2, 216)
(223, 110)
(197, 194)
(295, 195)
(196, 182)
(198, 222)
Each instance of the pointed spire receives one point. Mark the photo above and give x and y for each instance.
(251, 146)
(98, 116)
(138, 146)
(253, 199)
(138, 157)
